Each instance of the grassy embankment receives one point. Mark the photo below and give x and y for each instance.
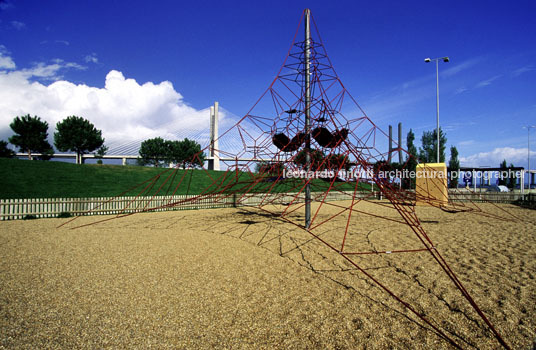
(41, 179)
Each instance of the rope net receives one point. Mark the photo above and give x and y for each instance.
(268, 145)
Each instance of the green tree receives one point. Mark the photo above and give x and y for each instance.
(187, 153)
(411, 162)
(338, 162)
(412, 150)
(317, 160)
(427, 147)
(428, 151)
(101, 152)
(31, 135)
(269, 168)
(502, 177)
(154, 151)
(454, 166)
(46, 153)
(511, 178)
(382, 168)
(5, 152)
(78, 135)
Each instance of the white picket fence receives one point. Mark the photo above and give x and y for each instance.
(12, 209)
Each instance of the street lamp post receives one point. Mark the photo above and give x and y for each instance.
(528, 127)
(444, 59)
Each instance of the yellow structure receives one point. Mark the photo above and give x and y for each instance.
(431, 184)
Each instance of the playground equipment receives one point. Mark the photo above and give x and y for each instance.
(432, 184)
(300, 124)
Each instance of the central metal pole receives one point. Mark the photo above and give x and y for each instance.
(307, 51)
(437, 108)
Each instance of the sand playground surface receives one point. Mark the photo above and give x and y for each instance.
(241, 278)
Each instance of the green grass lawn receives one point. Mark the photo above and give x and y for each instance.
(46, 179)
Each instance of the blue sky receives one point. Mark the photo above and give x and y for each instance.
(173, 59)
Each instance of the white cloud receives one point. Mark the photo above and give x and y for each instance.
(460, 90)
(517, 156)
(394, 102)
(5, 60)
(64, 42)
(523, 70)
(487, 81)
(50, 72)
(466, 143)
(92, 58)
(18, 25)
(457, 125)
(123, 109)
(457, 68)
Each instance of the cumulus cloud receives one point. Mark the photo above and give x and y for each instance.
(5, 60)
(125, 110)
(517, 156)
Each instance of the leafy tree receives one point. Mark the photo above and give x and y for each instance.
(186, 152)
(412, 150)
(425, 152)
(5, 152)
(512, 178)
(101, 152)
(337, 162)
(411, 162)
(78, 135)
(317, 159)
(428, 152)
(154, 151)
(269, 168)
(46, 153)
(31, 135)
(382, 168)
(507, 178)
(502, 177)
(454, 166)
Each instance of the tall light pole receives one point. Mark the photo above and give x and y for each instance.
(528, 127)
(444, 59)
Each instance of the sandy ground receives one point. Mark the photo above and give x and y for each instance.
(237, 278)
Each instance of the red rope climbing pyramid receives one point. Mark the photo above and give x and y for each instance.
(274, 155)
